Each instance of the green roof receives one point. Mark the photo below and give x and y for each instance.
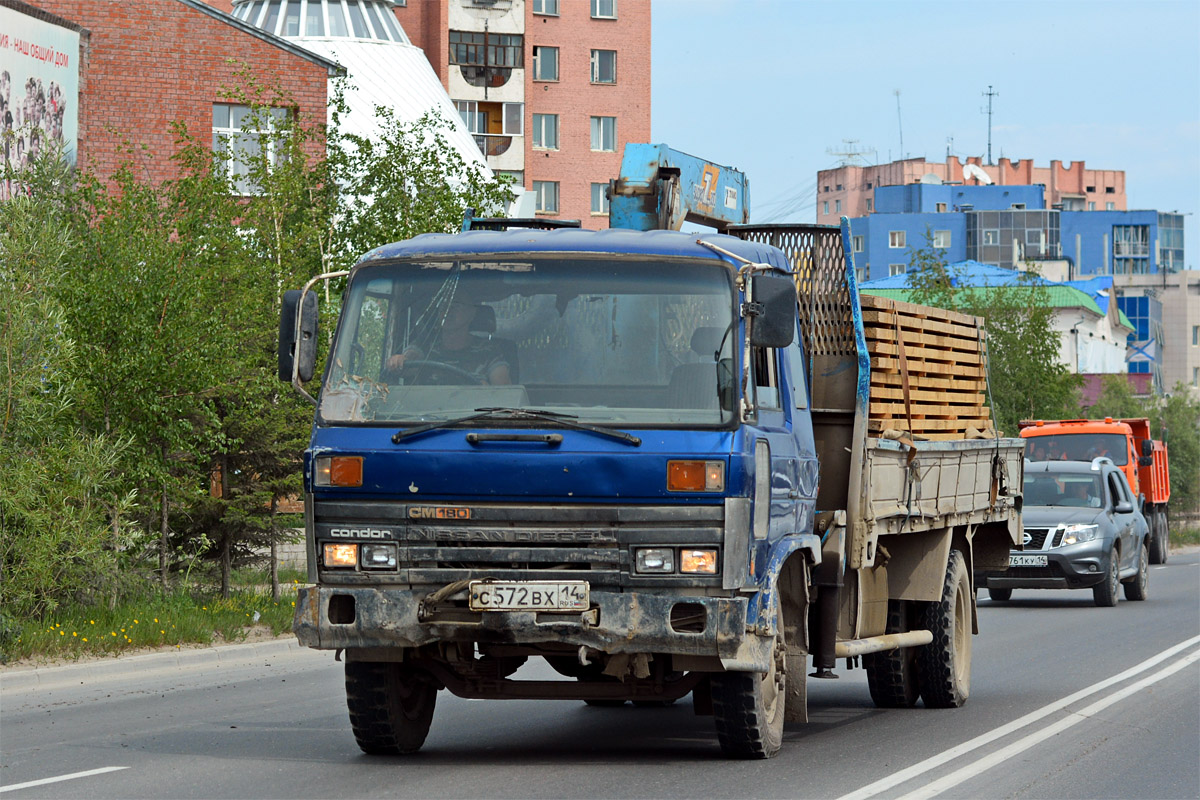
(1058, 297)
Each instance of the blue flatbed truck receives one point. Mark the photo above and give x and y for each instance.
(652, 470)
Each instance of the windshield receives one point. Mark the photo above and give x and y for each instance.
(1077, 447)
(1083, 491)
(630, 342)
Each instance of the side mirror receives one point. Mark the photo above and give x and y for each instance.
(1123, 507)
(1146, 461)
(775, 325)
(1147, 448)
(307, 350)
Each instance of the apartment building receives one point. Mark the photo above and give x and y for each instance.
(550, 89)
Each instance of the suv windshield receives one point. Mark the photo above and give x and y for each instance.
(1049, 489)
(1077, 447)
(630, 342)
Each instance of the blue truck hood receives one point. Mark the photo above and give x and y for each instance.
(585, 467)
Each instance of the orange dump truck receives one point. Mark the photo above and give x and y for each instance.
(1127, 442)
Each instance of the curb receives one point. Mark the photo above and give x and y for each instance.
(107, 669)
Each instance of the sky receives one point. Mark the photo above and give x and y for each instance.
(772, 86)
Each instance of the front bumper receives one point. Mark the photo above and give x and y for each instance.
(617, 622)
(1077, 566)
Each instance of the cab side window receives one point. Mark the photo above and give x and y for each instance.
(795, 359)
(766, 376)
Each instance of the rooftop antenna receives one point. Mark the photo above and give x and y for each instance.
(989, 94)
(949, 147)
(900, 122)
(850, 153)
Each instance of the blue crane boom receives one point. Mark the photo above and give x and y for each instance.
(660, 189)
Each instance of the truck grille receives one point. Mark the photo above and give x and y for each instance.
(438, 545)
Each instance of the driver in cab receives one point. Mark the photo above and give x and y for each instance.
(475, 359)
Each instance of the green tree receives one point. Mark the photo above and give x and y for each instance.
(1177, 421)
(61, 515)
(1026, 378)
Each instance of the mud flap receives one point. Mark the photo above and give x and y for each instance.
(796, 708)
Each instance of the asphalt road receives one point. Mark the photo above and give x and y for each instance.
(1067, 701)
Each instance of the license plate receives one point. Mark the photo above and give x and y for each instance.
(1022, 560)
(528, 595)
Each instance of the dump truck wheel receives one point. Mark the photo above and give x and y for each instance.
(892, 674)
(391, 706)
(1138, 587)
(1158, 538)
(748, 707)
(944, 665)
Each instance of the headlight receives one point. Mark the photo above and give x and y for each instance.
(340, 554)
(379, 556)
(654, 560)
(702, 561)
(1073, 534)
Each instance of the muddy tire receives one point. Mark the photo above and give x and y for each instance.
(944, 665)
(999, 595)
(1158, 538)
(892, 674)
(1106, 593)
(391, 706)
(1138, 587)
(748, 707)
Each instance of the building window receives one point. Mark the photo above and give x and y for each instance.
(1018, 206)
(600, 198)
(241, 137)
(837, 206)
(991, 236)
(604, 9)
(897, 269)
(1195, 376)
(545, 131)
(482, 49)
(1091, 205)
(1131, 241)
(546, 196)
(941, 239)
(858, 244)
(1196, 336)
(826, 188)
(870, 185)
(604, 134)
(604, 66)
(825, 207)
(895, 238)
(1110, 206)
(860, 273)
(547, 7)
(870, 205)
(1091, 190)
(492, 124)
(941, 208)
(545, 63)
(839, 187)
(1110, 190)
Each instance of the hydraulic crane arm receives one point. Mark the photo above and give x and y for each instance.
(660, 188)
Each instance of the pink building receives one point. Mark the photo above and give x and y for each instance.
(848, 190)
(551, 89)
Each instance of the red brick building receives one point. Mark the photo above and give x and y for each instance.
(552, 89)
(145, 64)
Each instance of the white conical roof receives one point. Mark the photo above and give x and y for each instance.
(383, 67)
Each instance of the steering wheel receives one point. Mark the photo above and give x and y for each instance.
(459, 374)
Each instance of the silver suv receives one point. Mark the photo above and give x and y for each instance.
(1082, 530)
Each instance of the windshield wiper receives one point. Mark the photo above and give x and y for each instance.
(565, 420)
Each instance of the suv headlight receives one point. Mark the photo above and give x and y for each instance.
(1074, 534)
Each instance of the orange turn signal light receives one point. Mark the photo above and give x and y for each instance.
(339, 471)
(695, 476)
(698, 561)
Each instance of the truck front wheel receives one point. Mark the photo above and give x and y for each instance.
(391, 706)
(748, 707)
(944, 665)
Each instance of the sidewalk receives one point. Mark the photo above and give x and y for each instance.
(101, 669)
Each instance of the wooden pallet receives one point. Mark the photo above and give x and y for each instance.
(928, 371)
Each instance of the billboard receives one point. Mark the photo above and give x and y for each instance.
(39, 88)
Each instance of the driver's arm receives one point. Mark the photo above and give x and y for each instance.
(397, 361)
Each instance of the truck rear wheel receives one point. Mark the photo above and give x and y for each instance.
(892, 674)
(748, 707)
(1158, 538)
(944, 665)
(391, 706)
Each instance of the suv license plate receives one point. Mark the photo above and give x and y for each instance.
(528, 595)
(1022, 560)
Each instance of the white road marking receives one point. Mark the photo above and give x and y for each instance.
(920, 768)
(995, 759)
(60, 778)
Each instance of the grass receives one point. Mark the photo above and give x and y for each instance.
(157, 619)
(1185, 536)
